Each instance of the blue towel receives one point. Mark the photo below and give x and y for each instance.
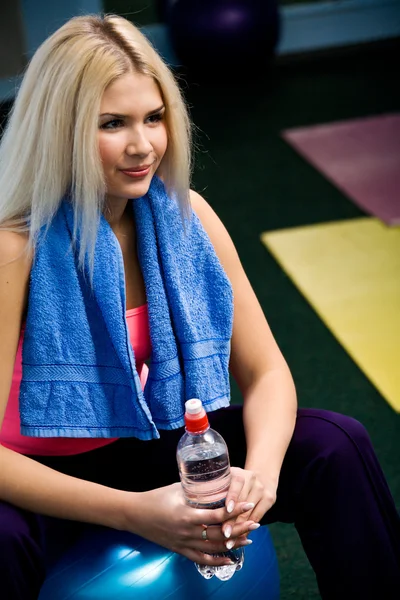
(79, 376)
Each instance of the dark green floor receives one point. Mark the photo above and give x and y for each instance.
(256, 182)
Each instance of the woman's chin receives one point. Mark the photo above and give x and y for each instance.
(139, 187)
(133, 191)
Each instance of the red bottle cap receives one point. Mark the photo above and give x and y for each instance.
(196, 420)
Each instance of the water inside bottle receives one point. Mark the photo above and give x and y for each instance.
(205, 476)
(227, 571)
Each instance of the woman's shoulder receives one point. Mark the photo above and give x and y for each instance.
(208, 218)
(15, 268)
(14, 248)
(203, 210)
(216, 231)
(198, 203)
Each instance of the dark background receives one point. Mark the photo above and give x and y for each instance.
(275, 188)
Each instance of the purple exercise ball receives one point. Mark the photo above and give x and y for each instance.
(224, 36)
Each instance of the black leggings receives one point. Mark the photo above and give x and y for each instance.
(331, 487)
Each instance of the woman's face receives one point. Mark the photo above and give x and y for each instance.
(132, 135)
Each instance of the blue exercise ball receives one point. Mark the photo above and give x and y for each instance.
(106, 564)
(219, 37)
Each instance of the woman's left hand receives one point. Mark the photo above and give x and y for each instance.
(248, 486)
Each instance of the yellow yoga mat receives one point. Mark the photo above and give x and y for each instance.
(349, 271)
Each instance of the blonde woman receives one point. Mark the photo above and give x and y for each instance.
(108, 262)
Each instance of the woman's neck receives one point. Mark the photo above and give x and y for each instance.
(118, 214)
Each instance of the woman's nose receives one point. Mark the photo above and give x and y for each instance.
(138, 144)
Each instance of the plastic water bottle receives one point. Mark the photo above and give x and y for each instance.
(204, 470)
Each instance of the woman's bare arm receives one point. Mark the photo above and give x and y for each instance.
(23, 481)
(257, 364)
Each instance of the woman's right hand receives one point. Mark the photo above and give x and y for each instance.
(162, 516)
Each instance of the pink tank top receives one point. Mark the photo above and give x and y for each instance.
(10, 436)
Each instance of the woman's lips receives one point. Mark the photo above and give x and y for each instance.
(136, 173)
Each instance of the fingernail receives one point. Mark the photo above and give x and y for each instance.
(247, 542)
(231, 506)
(230, 544)
(248, 506)
(229, 562)
(254, 526)
(228, 531)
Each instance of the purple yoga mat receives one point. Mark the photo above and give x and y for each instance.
(361, 157)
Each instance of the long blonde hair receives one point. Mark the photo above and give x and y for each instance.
(49, 147)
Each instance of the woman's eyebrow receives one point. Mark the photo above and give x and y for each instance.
(156, 110)
(118, 116)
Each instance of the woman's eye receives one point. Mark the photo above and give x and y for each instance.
(113, 124)
(156, 118)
